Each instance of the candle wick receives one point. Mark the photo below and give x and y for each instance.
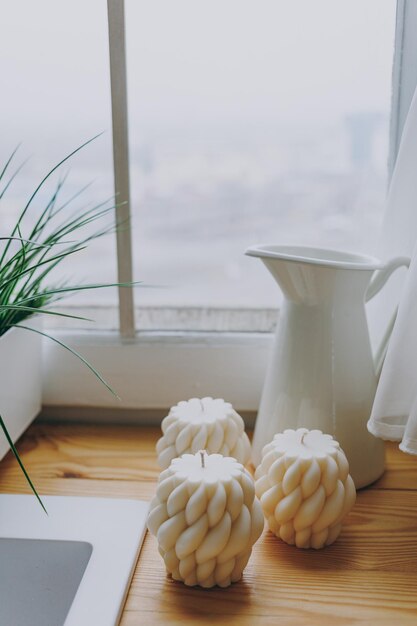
(202, 406)
(202, 455)
(302, 437)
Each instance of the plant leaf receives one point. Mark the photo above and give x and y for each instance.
(35, 243)
(35, 311)
(74, 352)
(72, 288)
(18, 459)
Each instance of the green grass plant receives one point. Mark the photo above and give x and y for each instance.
(34, 248)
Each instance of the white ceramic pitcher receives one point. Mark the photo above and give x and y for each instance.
(322, 373)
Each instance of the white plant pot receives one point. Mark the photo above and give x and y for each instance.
(20, 381)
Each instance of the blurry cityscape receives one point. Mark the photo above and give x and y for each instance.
(199, 203)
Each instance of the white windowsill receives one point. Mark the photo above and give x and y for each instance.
(154, 371)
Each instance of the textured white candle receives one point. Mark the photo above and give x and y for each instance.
(206, 518)
(209, 424)
(305, 488)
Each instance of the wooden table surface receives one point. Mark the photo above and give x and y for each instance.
(369, 576)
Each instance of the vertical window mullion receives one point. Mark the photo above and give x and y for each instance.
(404, 74)
(117, 51)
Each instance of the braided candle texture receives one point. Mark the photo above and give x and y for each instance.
(304, 487)
(207, 424)
(206, 518)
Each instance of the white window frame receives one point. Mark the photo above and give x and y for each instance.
(118, 83)
(153, 370)
(404, 73)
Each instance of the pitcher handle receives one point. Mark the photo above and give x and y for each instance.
(377, 282)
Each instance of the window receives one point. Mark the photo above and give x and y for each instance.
(55, 96)
(249, 122)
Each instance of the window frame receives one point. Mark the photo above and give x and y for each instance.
(121, 170)
(155, 369)
(404, 74)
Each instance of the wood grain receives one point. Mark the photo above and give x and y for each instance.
(368, 576)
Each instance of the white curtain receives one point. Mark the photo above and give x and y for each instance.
(394, 414)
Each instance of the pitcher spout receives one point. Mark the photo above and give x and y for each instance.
(312, 275)
(322, 257)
